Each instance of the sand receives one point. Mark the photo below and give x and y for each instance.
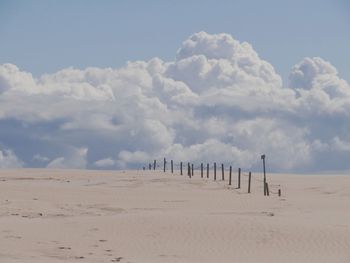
(142, 216)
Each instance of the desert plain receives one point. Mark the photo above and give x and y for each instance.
(138, 216)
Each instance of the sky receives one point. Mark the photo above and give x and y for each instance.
(116, 84)
(46, 36)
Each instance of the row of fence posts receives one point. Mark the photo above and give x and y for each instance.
(190, 173)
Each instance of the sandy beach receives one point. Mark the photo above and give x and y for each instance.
(147, 216)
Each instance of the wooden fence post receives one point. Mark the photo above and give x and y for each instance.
(279, 192)
(267, 189)
(230, 178)
(164, 164)
(181, 168)
(207, 170)
(172, 166)
(149, 166)
(214, 171)
(154, 164)
(239, 178)
(249, 180)
(201, 170)
(192, 169)
(189, 170)
(223, 171)
(263, 159)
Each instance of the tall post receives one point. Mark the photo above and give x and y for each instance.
(267, 189)
(263, 159)
(164, 165)
(223, 171)
(150, 166)
(230, 178)
(181, 168)
(201, 170)
(207, 170)
(239, 178)
(249, 180)
(154, 164)
(214, 171)
(192, 169)
(172, 166)
(189, 170)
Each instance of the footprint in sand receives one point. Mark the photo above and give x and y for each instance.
(117, 259)
(68, 248)
(268, 213)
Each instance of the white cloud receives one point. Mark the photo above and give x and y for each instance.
(14, 80)
(206, 62)
(217, 101)
(40, 158)
(340, 145)
(305, 72)
(319, 87)
(76, 159)
(107, 162)
(127, 157)
(9, 160)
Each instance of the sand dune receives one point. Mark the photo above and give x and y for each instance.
(143, 216)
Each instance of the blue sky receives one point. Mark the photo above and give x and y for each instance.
(45, 36)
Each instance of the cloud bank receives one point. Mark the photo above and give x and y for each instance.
(217, 101)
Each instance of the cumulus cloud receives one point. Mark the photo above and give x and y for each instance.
(319, 88)
(214, 61)
(217, 101)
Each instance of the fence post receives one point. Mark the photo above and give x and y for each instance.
(172, 166)
(267, 189)
(263, 159)
(239, 178)
(154, 164)
(249, 180)
(214, 171)
(164, 164)
(230, 178)
(207, 170)
(201, 170)
(223, 171)
(188, 170)
(181, 168)
(192, 169)
(279, 192)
